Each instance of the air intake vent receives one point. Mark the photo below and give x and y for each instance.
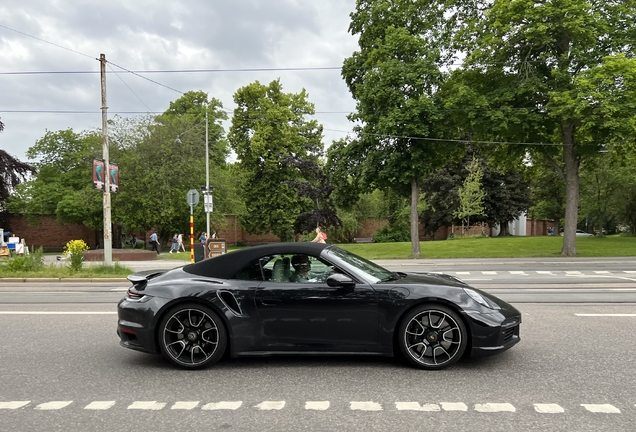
(229, 301)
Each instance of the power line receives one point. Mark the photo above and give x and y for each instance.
(172, 71)
(126, 112)
(146, 78)
(445, 140)
(132, 91)
(50, 43)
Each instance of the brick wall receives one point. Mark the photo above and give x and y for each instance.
(50, 234)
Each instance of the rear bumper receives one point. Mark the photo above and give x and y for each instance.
(135, 324)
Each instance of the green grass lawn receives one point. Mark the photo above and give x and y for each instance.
(499, 247)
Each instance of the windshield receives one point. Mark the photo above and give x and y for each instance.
(368, 269)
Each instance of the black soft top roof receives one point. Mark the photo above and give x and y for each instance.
(226, 266)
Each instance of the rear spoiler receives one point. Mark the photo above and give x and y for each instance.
(140, 279)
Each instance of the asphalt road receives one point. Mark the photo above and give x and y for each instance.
(63, 369)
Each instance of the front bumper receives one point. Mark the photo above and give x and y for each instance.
(495, 332)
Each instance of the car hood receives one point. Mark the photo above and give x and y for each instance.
(429, 279)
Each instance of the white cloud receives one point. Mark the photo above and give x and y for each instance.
(164, 35)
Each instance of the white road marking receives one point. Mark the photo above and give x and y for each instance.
(119, 289)
(513, 272)
(100, 405)
(454, 406)
(545, 272)
(605, 315)
(573, 272)
(147, 405)
(462, 273)
(184, 405)
(489, 272)
(630, 271)
(270, 405)
(495, 407)
(54, 313)
(365, 406)
(548, 408)
(601, 408)
(415, 406)
(317, 405)
(54, 405)
(13, 404)
(602, 272)
(224, 405)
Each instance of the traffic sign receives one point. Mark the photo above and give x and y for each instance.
(192, 197)
(208, 202)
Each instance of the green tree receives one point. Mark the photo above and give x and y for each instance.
(157, 169)
(268, 128)
(394, 78)
(12, 173)
(62, 185)
(471, 194)
(506, 195)
(555, 71)
(547, 187)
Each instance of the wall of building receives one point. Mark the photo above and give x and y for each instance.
(50, 234)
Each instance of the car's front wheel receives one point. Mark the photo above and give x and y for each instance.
(432, 337)
(192, 336)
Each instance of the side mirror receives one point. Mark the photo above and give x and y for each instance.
(340, 280)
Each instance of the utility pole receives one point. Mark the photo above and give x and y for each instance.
(108, 232)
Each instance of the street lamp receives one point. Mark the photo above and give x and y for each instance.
(207, 189)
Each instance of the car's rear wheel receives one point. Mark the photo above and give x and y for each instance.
(432, 337)
(192, 336)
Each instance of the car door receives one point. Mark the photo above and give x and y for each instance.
(309, 314)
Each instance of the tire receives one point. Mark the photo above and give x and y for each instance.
(192, 336)
(432, 337)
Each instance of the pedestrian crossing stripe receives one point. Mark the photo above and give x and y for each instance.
(488, 407)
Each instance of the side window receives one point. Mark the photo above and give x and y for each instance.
(251, 273)
(309, 269)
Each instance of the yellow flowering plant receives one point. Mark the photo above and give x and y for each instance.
(73, 250)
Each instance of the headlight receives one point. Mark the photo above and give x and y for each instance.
(484, 301)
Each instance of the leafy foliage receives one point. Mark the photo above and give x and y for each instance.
(506, 195)
(471, 194)
(32, 262)
(73, 249)
(271, 137)
(554, 72)
(12, 173)
(62, 185)
(394, 78)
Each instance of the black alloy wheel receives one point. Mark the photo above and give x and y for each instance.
(192, 336)
(432, 337)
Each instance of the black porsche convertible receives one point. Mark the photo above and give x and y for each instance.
(310, 298)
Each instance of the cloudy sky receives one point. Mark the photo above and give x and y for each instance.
(163, 35)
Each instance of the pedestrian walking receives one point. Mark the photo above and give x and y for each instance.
(203, 237)
(154, 241)
(180, 245)
(174, 248)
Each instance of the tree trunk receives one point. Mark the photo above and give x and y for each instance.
(415, 234)
(571, 190)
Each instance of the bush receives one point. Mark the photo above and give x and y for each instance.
(391, 234)
(26, 263)
(74, 249)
